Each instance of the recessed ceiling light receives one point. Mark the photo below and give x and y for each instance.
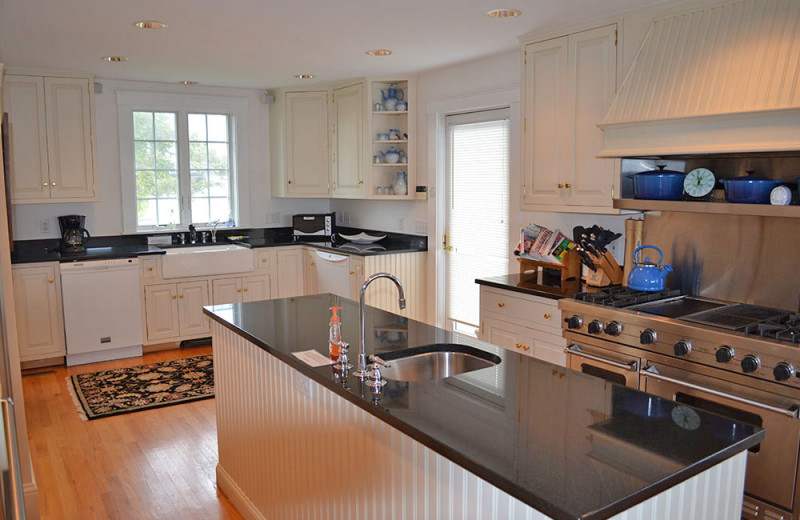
(504, 13)
(188, 82)
(115, 58)
(150, 24)
(379, 52)
(304, 76)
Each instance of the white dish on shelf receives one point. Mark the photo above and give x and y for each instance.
(362, 238)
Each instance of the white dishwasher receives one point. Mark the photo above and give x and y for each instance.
(333, 274)
(102, 310)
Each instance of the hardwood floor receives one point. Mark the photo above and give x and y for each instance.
(151, 464)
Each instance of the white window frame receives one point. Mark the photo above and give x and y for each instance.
(129, 102)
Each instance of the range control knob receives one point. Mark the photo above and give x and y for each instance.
(750, 363)
(574, 322)
(682, 348)
(595, 327)
(613, 329)
(783, 371)
(648, 336)
(724, 354)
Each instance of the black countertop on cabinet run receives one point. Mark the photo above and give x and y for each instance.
(126, 246)
(523, 283)
(569, 445)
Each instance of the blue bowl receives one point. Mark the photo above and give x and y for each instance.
(749, 191)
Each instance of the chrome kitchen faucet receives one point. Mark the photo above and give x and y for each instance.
(361, 373)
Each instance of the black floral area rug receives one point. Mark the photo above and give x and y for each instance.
(131, 389)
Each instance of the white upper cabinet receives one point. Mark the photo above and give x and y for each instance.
(299, 144)
(51, 138)
(569, 83)
(347, 135)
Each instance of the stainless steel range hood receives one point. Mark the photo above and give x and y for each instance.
(721, 79)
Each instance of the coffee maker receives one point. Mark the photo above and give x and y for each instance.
(73, 235)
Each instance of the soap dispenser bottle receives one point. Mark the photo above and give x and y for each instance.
(335, 335)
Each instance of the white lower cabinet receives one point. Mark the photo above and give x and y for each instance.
(524, 323)
(175, 310)
(40, 320)
(289, 272)
(238, 290)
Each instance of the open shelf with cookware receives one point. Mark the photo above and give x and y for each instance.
(718, 207)
(392, 125)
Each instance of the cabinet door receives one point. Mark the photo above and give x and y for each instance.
(256, 288)
(310, 271)
(40, 322)
(306, 143)
(290, 273)
(546, 148)
(23, 99)
(348, 141)
(503, 334)
(69, 138)
(161, 311)
(593, 69)
(192, 297)
(227, 290)
(547, 347)
(356, 276)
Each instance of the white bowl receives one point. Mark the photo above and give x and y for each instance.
(362, 238)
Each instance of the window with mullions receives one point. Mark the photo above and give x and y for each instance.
(209, 165)
(155, 138)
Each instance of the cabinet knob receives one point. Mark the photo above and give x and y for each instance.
(519, 345)
(352, 272)
(289, 182)
(180, 296)
(238, 290)
(45, 184)
(50, 280)
(52, 184)
(174, 296)
(360, 182)
(559, 185)
(313, 263)
(526, 348)
(568, 185)
(263, 260)
(501, 304)
(149, 268)
(547, 315)
(245, 289)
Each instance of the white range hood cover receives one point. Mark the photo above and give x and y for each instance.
(720, 79)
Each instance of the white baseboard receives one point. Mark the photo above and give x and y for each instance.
(234, 493)
(31, 496)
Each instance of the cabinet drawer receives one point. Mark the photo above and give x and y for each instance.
(526, 312)
(149, 268)
(264, 259)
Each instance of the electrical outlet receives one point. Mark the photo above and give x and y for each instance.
(44, 226)
(421, 226)
(302, 384)
(401, 223)
(274, 217)
(345, 217)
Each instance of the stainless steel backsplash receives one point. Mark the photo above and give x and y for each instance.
(738, 258)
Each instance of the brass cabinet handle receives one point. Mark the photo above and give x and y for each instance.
(174, 296)
(313, 263)
(560, 185)
(290, 182)
(245, 289)
(360, 182)
(238, 290)
(519, 345)
(149, 268)
(568, 185)
(526, 348)
(547, 315)
(263, 259)
(501, 304)
(52, 184)
(45, 184)
(50, 280)
(180, 296)
(352, 272)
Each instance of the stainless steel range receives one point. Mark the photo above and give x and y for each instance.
(730, 358)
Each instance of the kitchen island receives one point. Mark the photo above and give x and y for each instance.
(522, 439)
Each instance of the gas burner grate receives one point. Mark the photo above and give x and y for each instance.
(785, 328)
(624, 297)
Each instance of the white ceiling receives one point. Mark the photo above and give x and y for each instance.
(264, 43)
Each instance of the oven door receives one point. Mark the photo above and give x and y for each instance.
(588, 356)
(771, 465)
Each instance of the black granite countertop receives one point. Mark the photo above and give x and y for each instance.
(569, 445)
(126, 246)
(526, 284)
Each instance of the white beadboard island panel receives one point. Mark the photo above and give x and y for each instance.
(289, 448)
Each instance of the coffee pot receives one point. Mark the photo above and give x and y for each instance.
(73, 235)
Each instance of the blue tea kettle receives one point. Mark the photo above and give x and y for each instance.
(646, 276)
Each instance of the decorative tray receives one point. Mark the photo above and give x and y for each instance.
(362, 238)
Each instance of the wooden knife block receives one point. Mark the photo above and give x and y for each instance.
(608, 271)
(570, 272)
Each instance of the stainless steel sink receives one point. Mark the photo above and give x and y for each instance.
(435, 361)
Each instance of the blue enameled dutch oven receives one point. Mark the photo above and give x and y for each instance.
(749, 190)
(658, 184)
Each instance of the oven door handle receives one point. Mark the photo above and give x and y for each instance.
(575, 350)
(652, 372)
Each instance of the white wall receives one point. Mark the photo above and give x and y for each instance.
(105, 217)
